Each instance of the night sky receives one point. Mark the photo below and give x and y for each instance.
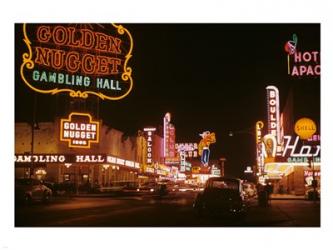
(208, 76)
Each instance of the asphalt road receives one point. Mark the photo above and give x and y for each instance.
(174, 210)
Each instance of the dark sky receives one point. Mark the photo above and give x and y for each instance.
(208, 76)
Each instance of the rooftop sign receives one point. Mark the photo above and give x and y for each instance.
(79, 130)
(79, 59)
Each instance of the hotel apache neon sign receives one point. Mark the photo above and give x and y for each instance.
(80, 59)
(79, 130)
(304, 63)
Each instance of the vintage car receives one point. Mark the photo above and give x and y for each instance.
(28, 190)
(221, 197)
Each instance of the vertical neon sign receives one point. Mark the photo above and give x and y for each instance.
(150, 133)
(166, 122)
(273, 112)
(259, 126)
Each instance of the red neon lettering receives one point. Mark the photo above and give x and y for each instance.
(114, 45)
(57, 59)
(43, 34)
(103, 65)
(60, 35)
(88, 64)
(42, 56)
(88, 39)
(79, 38)
(72, 42)
(101, 41)
(115, 62)
(73, 61)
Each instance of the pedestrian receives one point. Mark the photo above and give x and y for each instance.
(269, 191)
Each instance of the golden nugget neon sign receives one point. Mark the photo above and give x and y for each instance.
(79, 130)
(81, 59)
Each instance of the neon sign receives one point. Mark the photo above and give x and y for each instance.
(259, 126)
(304, 151)
(190, 149)
(69, 159)
(273, 112)
(207, 139)
(305, 128)
(81, 59)
(150, 132)
(169, 137)
(293, 152)
(40, 158)
(182, 161)
(79, 130)
(304, 63)
(270, 146)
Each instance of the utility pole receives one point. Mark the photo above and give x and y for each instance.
(31, 171)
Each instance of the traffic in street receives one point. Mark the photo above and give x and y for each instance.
(172, 210)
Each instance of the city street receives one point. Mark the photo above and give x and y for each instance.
(174, 210)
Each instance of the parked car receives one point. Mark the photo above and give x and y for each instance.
(28, 190)
(222, 197)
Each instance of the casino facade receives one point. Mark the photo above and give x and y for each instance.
(288, 148)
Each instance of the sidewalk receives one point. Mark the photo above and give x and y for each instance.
(287, 197)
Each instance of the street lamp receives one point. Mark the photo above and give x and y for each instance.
(34, 126)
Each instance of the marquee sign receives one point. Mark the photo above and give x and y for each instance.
(68, 158)
(294, 150)
(79, 59)
(79, 130)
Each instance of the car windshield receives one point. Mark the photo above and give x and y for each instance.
(224, 184)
